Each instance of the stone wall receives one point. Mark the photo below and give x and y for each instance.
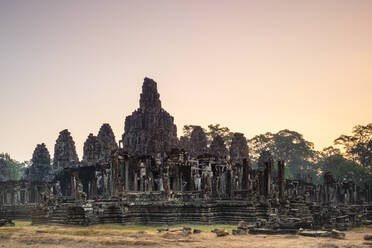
(157, 210)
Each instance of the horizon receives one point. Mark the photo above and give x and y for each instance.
(252, 67)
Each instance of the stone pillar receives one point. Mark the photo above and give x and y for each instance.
(245, 174)
(126, 175)
(142, 188)
(18, 196)
(328, 186)
(214, 187)
(109, 182)
(166, 180)
(115, 174)
(13, 198)
(187, 179)
(37, 195)
(27, 195)
(261, 182)
(228, 184)
(176, 180)
(142, 176)
(267, 179)
(281, 180)
(181, 183)
(348, 195)
(354, 193)
(365, 193)
(135, 182)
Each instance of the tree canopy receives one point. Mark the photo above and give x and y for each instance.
(287, 145)
(213, 131)
(358, 147)
(10, 169)
(344, 169)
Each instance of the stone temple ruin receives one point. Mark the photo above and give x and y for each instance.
(152, 177)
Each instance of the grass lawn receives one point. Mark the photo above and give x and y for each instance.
(22, 223)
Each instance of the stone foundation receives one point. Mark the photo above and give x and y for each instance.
(309, 216)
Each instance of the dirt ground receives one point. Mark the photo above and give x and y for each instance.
(25, 235)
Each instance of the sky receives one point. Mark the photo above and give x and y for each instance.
(253, 66)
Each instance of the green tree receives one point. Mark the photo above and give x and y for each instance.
(213, 131)
(260, 143)
(289, 146)
(218, 130)
(10, 169)
(358, 147)
(344, 169)
(330, 151)
(187, 130)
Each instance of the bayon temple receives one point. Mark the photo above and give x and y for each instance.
(152, 177)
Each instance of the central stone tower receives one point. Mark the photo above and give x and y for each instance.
(150, 129)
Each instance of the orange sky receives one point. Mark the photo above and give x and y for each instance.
(254, 66)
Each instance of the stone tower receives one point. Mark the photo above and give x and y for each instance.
(198, 142)
(92, 149)
(64, 151)
(150, 129)
(239, 149)
(107, 138)
(218, 147)
(99, 148)
(40, 168)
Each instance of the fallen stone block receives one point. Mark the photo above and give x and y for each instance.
(272, 231)
(287, 231)
(369, 244)
(261, 231)
(2, 222)
(186, 232)
(367, 222)
(5, 222)
(239, 232)
(261, 223)
(176, 229)
(368, 237)
(220, 232)
(337, 234)
(310, 233)
(295, 225)
(243, 225)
